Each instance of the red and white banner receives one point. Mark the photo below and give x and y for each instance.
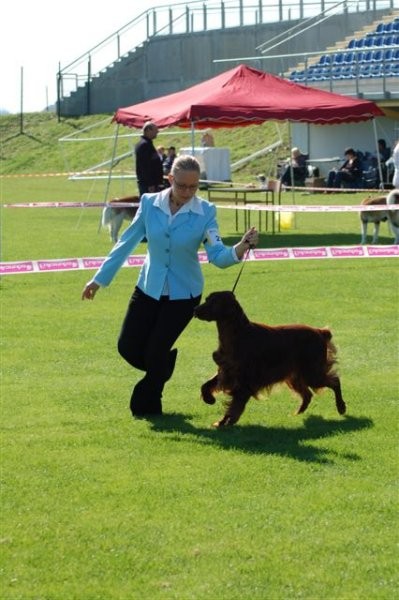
(260, 254)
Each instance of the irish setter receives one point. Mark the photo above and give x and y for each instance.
(252, 357)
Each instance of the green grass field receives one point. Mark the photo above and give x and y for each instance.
(96, 505)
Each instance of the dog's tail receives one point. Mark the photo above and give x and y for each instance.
(107, 216)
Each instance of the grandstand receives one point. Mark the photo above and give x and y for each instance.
(342, 46)
(372, 55)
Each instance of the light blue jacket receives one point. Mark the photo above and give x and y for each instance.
(171, 261)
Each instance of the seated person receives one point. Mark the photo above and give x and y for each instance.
(299, 168)
(383, 151)
(207, 140)
(350, 172)
(168, 161)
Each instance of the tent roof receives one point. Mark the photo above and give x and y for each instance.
(247, 96)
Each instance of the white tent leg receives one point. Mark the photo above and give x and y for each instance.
(111, 165)
(378, 155)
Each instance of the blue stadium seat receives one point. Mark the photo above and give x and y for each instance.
(395, 55)
(338, 58)
(347, 72)
(388, 27)
(364, 70)
(349, 58)
(376, 56)
(388, 55)
(380, 28)
(376, 70)
(388, 40)
(325, 59)
(394, 70)
(377, 40)
(364, 57)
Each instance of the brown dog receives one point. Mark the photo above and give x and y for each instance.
(252, 357)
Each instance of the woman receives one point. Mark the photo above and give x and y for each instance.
(350, 172)
(175, 222)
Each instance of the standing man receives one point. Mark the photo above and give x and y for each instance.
(148, 164)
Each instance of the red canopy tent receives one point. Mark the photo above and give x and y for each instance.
(246, 96)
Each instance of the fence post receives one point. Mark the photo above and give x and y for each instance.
(59, 93)
(241, 14)
(204, 16)
(88, 86)
(223, 16)
(260, 12)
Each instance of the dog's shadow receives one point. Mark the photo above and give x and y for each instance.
(292, 442)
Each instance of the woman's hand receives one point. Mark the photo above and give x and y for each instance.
(249, 240)
(90, 290)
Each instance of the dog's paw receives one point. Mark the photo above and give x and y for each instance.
(341, 408)
(226, 421)
(207, 397)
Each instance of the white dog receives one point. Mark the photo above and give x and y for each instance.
(113, 217)
(392, 216)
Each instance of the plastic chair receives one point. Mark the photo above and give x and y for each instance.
(364, 71)
(325, 59)
(338, 58)
(348, 58)
(388, 54)
(388, 27)
(376, 56)
(364, 57)
(377, 40)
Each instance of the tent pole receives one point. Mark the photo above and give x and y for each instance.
(192, 138)
(109, 174)
(291, 171)
(378, 155)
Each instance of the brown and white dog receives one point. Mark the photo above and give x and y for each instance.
(252, 357)
(113, 217)
(376, 217)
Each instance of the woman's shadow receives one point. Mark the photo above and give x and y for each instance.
(289, 442)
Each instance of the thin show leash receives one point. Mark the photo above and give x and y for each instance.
(251, 246)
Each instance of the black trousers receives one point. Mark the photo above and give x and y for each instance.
(149, 330)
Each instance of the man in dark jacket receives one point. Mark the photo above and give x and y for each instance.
(148, 164)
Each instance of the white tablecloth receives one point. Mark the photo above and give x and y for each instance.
(215, 162)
